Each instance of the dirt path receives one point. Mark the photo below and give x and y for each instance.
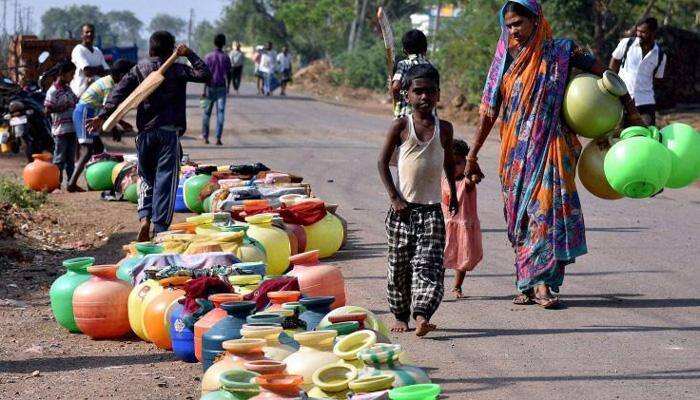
(630, 329)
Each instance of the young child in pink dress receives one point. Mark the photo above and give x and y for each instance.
(463, 250)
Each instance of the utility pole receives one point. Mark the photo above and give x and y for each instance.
(16, 9)
(4, 18)
(189, 28)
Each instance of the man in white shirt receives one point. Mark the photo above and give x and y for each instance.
(640, 62)
(237, 61)
(268, 66)
(89, 62)
(284, 63)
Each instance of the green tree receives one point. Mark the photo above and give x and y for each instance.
(125, 25)
(203, 37)
(165, 22)
(466, 45)
(67, 22)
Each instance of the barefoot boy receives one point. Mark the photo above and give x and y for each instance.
(415, 225)
(161, 121)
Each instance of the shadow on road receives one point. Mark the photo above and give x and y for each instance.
(62, 363)
(490, 383)
(486, 333)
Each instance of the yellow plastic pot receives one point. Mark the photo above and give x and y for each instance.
(331, 381)
(326, 236)
(274, 240)
(315, 351)
(139, 298)
(348, 347)
(591, 171)
(592, 106)
(371, 384)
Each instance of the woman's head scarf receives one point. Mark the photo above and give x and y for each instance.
(530, 55)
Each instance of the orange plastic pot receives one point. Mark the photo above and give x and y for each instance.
(41, 174)
(184, 226)
(316, 279)
(100, 304)
(211, 318)
(281, 297)
(280, 386)
(154, 314)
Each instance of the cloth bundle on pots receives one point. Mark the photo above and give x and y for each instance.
(259, 296)
(305, 213)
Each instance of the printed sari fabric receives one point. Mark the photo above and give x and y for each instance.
(538, 154)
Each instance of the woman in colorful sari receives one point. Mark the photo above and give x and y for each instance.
(537, 167)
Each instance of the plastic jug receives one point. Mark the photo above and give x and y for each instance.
(274, 240)
(683, 143)
(316, 279)
(638, 166)
(591, 171)
(139, 298)
(100, 304)
(208, 320)
(592, 106)
(227, 328)
(61, 292)
(154, 322)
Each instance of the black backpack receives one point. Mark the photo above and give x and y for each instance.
(630, 42)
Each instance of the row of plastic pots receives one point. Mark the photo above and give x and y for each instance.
(642, 162)
(278, 240)
(42, 174)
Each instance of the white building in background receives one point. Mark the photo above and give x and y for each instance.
(427, 22)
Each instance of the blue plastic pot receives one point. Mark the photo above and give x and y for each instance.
(316, 309)
(182, 336)
(227, 328)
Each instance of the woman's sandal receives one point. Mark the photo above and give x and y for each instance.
(524, 299)
(547, 302)
(457, 292)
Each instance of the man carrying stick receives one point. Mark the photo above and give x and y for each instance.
(161, 121)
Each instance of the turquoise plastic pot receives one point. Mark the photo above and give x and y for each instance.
(61, 292)
(638, 166)
(683, 142)
(427, 391)
(143, 249)
(592, 106)
(191, 191)
(131, 194)
(99, 175)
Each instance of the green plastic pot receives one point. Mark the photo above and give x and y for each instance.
(592, 106)
(61, 292)
(191, 191)
(127, 266)
(99, 175)
(427, 391)
(236, 384)
(638, 166)
(131, 194)
(683, 142)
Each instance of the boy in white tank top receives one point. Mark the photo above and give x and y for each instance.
(414, 224)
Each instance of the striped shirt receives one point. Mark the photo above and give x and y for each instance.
(60, 102)
(96, 94)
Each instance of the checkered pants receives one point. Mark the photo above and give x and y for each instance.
(415, 274)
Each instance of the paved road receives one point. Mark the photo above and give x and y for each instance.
(630, 329)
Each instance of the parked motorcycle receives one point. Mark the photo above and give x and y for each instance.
(24, 118)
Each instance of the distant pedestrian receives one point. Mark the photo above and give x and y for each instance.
(59, 103)
(89, 104)
(258, 74)
(237, 63)
(215, 91)
(89, 61)
(161, 120)
(284, 64)
(641, 63)
(463, 248)
(268, 67)
(415, 47)
(415, 225)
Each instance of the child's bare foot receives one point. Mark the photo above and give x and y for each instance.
(144, 231)
(400, 327)
(457, 292)
(423, 326)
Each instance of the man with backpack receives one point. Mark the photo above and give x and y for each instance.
(640, 63)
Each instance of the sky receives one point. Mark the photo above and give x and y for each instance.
(144, 9)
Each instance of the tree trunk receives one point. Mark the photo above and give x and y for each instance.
(361, 21)
(353, 27)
